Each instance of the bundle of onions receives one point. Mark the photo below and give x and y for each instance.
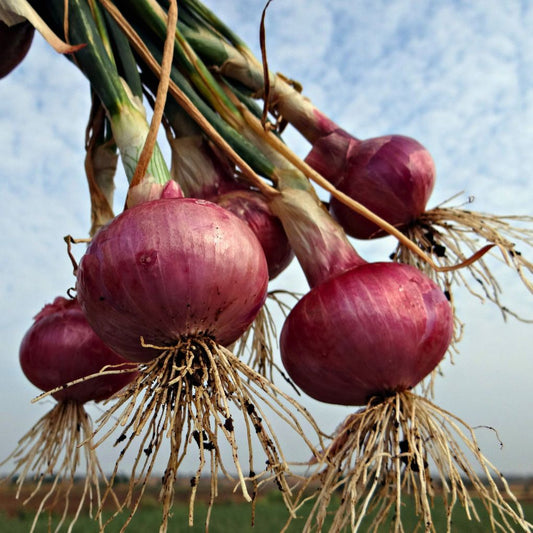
(60, 347)
(365, 335)
(170, 283)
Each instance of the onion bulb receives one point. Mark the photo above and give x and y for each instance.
(58, 348)
(171, 268)
(392, 175)
(61, 347)
(366, 337)
(372, 331)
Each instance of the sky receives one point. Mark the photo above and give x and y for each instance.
(457, 76)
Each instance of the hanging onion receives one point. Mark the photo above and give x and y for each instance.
(61, 347)
(392, 175)
(171, 283)
(367, 334)
(388, 326)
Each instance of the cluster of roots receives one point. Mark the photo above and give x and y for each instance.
(52, 455)
(397, 447)
(196, 394)
(451, 235)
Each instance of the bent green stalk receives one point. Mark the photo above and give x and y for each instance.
(125, 111)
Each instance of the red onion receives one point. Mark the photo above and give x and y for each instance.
(393, 176)
(187, 277)
(171, 268)
(61, 347)
(374, 330)
(252, 208)
(15, 42)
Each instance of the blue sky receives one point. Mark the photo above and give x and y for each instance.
(458, 76)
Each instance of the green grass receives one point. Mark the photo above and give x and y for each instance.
(233, 517)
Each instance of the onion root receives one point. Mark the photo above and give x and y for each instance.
(404, 444)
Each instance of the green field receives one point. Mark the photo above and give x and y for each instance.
(229, 516)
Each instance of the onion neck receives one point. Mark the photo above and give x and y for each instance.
(331, 154)
(197, 165)
(319, 243)
(299, 111)
(332, 146)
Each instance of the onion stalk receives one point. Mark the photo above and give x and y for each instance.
(236, 125)
(13, 12)
(124, 109)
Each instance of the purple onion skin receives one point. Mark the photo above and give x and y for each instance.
(253, 209)
(168, 269)
(392, 175)
(15, 42)
(371, 331)
(60, 347)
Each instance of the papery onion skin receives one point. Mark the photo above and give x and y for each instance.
(15, 42)
(371, 331)
(61, 347)
(169, 269)
(252, 208)
(392, 175)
